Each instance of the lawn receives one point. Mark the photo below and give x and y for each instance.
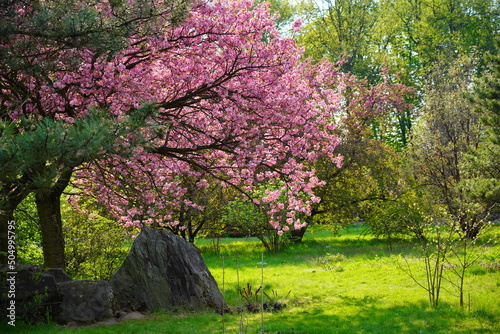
(351, 283)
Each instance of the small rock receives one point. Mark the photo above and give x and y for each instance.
(133, 316)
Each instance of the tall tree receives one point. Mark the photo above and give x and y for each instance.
(484, 163)
(338, 29)
(413, 34)
(369, 163)
(405, 35)
(191, 100)
(449, 128)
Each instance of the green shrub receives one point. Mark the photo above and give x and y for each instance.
(28, 236)
(95, 245)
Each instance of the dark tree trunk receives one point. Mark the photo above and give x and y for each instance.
(49, 211)
(6, 216)
(11, 196)
(297, 235)
(471, 226)
(48, 203)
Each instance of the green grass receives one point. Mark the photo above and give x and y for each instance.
(345, 284)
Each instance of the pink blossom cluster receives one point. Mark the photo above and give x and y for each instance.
(232, 101)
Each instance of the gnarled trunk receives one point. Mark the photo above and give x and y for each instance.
(297, 235)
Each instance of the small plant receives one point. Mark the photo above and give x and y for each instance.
(329, 262)
(39, 309)
(274, 302)
(251, 298)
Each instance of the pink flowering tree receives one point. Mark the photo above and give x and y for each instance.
(220, 96)
(235, 104)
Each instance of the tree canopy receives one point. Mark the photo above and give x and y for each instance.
(220, 94)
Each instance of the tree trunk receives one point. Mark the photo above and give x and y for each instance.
(48, 204)
(49, 211)
(10, 199)
(6, 216)
(297, 235)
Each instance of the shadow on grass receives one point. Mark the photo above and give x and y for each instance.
(411, 318)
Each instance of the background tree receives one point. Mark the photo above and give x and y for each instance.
(367, 178)
(370, 164)
(483, 168)
(449, 128)
(416, 34)
(284, 13)
(338, 29)
(95, 246)
(406, 36)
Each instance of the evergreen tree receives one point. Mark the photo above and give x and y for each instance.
(39, 148)
(484, 164)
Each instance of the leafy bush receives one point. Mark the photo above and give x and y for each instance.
(244, 216)
(405, 216)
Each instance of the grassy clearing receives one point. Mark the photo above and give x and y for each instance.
(345, 284)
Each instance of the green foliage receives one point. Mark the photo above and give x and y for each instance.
(483, 165)
(244, 215)
(368, 176)
(407, 36)
(249, 218)
(405, 215)
(28, 238)
(70, 23)
(447, 131)
(36, 156)
(95, 245)
(285, 11)
(337, 29)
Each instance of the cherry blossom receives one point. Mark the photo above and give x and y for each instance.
(223, 98)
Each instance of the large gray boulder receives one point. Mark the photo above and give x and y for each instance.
(163, 270)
